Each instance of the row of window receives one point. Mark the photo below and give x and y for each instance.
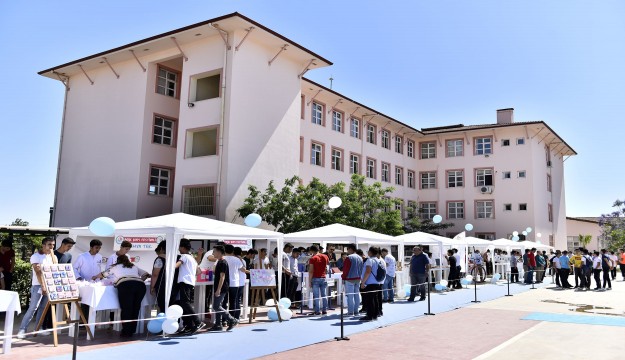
(483, 209)
(196, 200)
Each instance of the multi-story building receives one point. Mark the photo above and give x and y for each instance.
(186, 120)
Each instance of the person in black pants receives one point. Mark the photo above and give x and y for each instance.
(369, 285)
(605, 266)
(596, 269)
(514, 267)
(187, 266)
(128, 280)
(454, 274)
(157, 285)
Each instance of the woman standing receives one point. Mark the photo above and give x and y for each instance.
(128, 280)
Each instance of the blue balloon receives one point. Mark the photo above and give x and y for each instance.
(286, 302)
(437, 219)
(438, 287)
(464, 282)
(102, 226)
(161, 316)
(407, 289)
(272, 314)
(253, 220)
(155, 326)
(468, 227)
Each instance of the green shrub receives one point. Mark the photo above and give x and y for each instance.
(22, 274)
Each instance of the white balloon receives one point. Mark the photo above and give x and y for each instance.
(270, 302)
(444, 282)
(285, 314)
(524, 233)
(515, 233)
(529, 230)
(469, 277)
(170, 326)
(174, 312)
(334, 202)
(539, 235)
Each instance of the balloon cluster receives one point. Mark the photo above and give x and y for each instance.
(467, 280)
(102, 226)
(283, 306)
(167, 322)
(441, 286)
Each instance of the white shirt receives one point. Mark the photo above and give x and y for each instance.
(390, 265)
(596, 262)
(205, 263)
(186, 272)
(457, 256)
(112, 260)
(293, 267)
(556, 261)
(242, 274)
(118, 271)
(87, 266)
(286, 263)
(274, 263)
(257, 264)
(234, 263)
(41, 259)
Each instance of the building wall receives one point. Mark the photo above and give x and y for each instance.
(577, 227)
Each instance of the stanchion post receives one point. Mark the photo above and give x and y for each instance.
(429, 296)
(342, 337)
(509, 274)
(532, 279)
(75, 344)
(475, 291)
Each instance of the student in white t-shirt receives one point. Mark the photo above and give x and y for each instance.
(262, 261)
(238, 252)
(234, 269)
(124, 248)
(187, 266)
(38, 291)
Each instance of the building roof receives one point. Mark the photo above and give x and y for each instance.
(538, 125)
(589, 219)
(182, 34)
(33, 230)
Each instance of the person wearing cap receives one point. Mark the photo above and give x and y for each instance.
(124, 248)
(62, 253)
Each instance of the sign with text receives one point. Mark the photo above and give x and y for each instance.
(60, 282)
(139, 242)
(262, 277)
(243, 244)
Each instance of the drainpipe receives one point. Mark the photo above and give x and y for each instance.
(221, 118)
(58, 166)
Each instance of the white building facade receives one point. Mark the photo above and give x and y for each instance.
(185, 121)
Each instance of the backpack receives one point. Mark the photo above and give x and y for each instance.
(380, 275)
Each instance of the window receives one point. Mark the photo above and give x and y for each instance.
(507, 207)
(548, 182)
(455, 178)
(337, 121)
(399, 206)
(317, 113)
(354, 164)
(428, 180)
(354, 130)
(485, 236)
(301, 149)
(505, 142)
(455, 148)
(552, 240)
(410, 148)
(428, 150)
(483, 145)
(202, 142)
(399, 144)
(572, 243)
(411, 183)
(523, 207)
(385, 139)
(399, 176)
(163, 131)
(160, 181)
(385, 172)
(337, 159)
(371, 134)
(316, 154)
(484, 209)
(427, 210)
(520, 141)
(548, 156)
(199, 200)
(507, 175)
(521, 174)
(483, 177)
(303, 107)
(455, 210)
(205, 86)
(167, 82)
(550, 212)
(371, 164)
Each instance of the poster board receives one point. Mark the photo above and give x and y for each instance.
(262, 278)
(60, 282)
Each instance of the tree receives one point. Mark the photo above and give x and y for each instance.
(414, 222)
(613, 226)
(23, 245)
(584, 240)
(298, 207)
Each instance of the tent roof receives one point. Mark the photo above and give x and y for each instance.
(506, 242)
(339, 233)
(473, 241)
(530, 244)
(189, 226)
(420, 237)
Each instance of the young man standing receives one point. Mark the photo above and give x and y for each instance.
(556, 267)
(188, 267)
(565, 270)
(62, 253)
(352, 272)
(124, 248)
(87, 265)
(318, 263)
(38, 289)
(596, 269)
(262, 261)
(295, 277)
(388, 295)
(606, 264)
(7, 262)
(621, 262)
(514, 267)
(419, 268)
(220, 289)
(614, 259)
(234, 267)
(370, 286)
(576, 261)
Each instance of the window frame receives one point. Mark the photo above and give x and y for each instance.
(550, 212)
(359, 169)
(178, 80)
(521, 204)
(342, 119)
(200, 129)
(323, 150)
(447, 154)
(421, 207)
(549, 183)
(421, 173)
(370, 126)
(315, 103)
(421, 153)
(506, 205)
(388, 174)
(387, 138)
(448, 173)
(174, 129)
(401, 175)
(524, 172)
(505, 142)
(464, 212)
(492, 208)
(506, 175)
(399, 149)
(475, 145)
(520, 141)
(492, 174)
(215, 205)
(170, 179)
(410, 148)
(411, 184)
(341, 163)
(358, 128)
(375, 168)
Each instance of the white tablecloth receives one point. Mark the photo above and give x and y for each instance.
(9, 302)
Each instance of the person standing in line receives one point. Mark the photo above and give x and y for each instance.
(381, 267)
(242, 277)
(317, 268)
(606, 265)
(234, 265)
(565, 270)
(576, 261)
(220, 288)
(62, 253)
(341, 261)
(38, 290)
(296, 277)
(352, 273)
(596, 269)
(614, 259)
(7, 262)
(621, 262)
(285, 265)
(556, 267)
(540, 267)
(531, 265)
(419, 268)
(370, 285)
(331, 254)
(586, 268)
(188, 269)
(388, 295)
(458, 262)
(454, 275)
(525, 267)
(514, 267)
(262, 261)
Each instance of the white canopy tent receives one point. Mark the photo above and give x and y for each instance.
(174, 227)
(530, 244)
(421, 238)
(340, 234)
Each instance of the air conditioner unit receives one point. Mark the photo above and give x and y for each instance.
(486, 189)
(549, 163)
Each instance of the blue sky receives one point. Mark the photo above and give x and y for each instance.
(427, 63)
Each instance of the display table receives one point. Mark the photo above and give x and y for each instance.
(104, 297)
(9, 303)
